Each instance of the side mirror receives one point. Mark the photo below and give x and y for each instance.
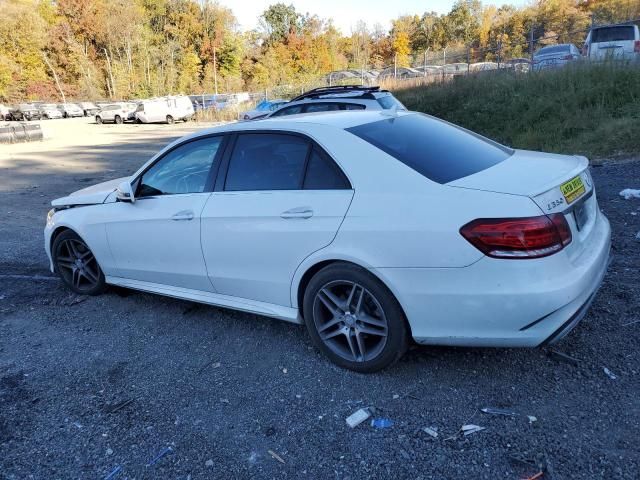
(124, 193)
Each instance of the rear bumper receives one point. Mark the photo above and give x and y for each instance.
(502, 303)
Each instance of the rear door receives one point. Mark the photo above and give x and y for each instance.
(278, 199)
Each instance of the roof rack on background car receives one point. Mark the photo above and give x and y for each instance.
(321, 91)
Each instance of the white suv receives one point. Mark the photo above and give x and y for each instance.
(347, 97)
(613, 41)
(115, 112)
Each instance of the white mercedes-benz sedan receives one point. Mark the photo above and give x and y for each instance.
(372, 228)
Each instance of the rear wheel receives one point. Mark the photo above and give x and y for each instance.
(118, 119)
(354, 319)
(76, 264)
(98, 119)
(170, 120)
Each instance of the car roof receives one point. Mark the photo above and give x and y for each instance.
(337, 119)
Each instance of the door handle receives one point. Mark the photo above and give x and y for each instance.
(183, 215)
(299, 212)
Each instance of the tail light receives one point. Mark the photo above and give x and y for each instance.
(528, 237)
(585, 50)
(636, 46)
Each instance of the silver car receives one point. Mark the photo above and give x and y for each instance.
(555, 56)
(113, 112)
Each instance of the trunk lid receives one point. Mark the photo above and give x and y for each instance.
(525, 173)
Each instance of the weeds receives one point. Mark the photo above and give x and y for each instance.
(592, 110)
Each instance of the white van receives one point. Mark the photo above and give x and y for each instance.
(165, 109)
(620, 42)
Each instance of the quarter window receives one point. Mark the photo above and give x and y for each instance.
(323, 174)
(185, 169)
(265, 161)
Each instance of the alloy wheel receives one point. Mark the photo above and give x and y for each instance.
(350, 320)
(77, 265)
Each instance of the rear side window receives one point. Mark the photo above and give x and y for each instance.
(354, 106)
(612, 34)
(321, 107)
(323, 174)
(440, 151)
(265, 161)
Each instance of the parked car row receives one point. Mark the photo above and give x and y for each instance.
(45, 111)
(608, 42)
(155, 110)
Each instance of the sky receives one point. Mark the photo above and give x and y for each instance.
(346, 13)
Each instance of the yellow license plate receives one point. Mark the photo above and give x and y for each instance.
(572, 189)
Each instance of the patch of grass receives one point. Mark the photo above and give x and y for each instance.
(593, 110)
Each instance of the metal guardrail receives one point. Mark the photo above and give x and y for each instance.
(20, 132)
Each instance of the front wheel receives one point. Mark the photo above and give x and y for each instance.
(76, 264)
(118, 119)
(98, 119)
(170, 120)
(354, 319)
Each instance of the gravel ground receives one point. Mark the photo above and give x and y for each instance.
(141, 386)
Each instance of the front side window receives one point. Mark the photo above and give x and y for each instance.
(436, 149)
(184, 169)
(267, 161)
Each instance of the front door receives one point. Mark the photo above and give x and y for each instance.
(157, 238)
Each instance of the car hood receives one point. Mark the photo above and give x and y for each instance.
(90, 195)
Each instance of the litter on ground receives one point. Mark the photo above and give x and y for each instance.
(358, 417)
(629, 193)
(159, 456)
(431, 431)
(469, 429)
(609, 373)
(381, 423)
(276, 456)
(498, 411)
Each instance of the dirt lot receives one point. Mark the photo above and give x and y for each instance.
(139, 386)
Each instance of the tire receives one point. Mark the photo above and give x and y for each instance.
(170, 120)
(76, 265)
(386, 337)
(65, 115)
(138, 121)
(98, 119)
(118, 119)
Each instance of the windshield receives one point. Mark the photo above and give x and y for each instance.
(554, 49)
(439, 150)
